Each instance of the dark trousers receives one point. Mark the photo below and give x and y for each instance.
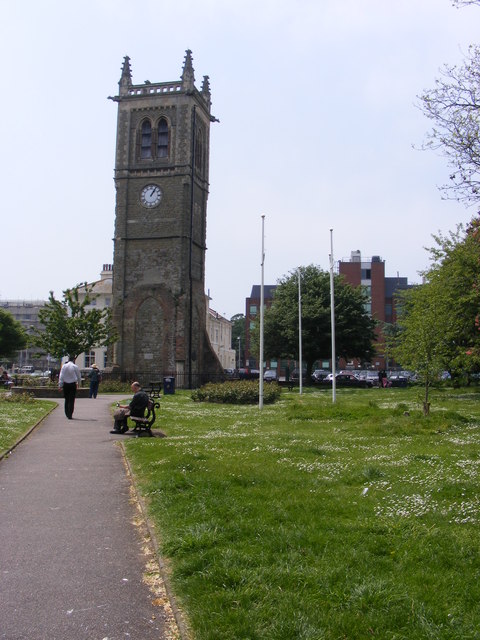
(93, 389)
(69, 393)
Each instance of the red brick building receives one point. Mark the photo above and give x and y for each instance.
(369, 273)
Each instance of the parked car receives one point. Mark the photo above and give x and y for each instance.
(397, 380)
(27, 369)
(295, 376)
(270, 375)
(346, 380)
(248, 374)
(319, 374)
(373, 377)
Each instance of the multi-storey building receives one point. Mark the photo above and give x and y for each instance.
(252, 315)
(101, 292)
(26, 313)
(369, 273)
(219, 330)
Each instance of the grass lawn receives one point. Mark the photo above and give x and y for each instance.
(17, 416)
(308, 520)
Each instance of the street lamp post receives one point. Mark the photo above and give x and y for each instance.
(239, 343)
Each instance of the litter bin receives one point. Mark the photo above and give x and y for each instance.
(168, 386)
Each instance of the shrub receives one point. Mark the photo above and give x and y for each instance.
(114, 386)
(236, 392)
(17, 398)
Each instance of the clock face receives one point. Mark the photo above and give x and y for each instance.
(151, 195)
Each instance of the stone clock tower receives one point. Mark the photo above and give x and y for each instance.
(161, 181)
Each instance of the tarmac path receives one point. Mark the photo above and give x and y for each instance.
(74, 561)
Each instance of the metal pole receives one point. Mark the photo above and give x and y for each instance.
(332, 316)
(300, 363)
(260, 392)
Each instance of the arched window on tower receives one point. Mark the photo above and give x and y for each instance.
(146, 140)
(162, 144)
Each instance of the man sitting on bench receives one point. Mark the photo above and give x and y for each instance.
(136, 407)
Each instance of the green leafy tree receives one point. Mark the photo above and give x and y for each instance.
(455, 271)
(12, 335)
(421, 342)
(354, 328)
(238, 331)
(70, 328)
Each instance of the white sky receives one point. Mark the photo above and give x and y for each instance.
(316, 101)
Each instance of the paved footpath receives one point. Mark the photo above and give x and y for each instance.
(72, 559)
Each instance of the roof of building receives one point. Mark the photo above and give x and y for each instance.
(395, 284)
(268, 291)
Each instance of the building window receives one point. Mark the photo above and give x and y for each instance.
(162, 145)
(367, 307)
(89, 359)
(146, 140)
(366, 274)
(253, 309)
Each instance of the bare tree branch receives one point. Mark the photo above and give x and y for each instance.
(453, 105)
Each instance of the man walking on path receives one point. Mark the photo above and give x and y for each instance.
(69, 379)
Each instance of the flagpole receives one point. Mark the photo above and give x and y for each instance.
(300, 363)
(332, 316)
(260, 392)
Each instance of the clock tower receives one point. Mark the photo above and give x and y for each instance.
(161, 181)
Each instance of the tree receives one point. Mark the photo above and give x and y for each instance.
(454, 107)
(354, 329)
(70, 327)
(456, 271)
(421, 343)
(238, 331)
(12, 335)
(438, 325)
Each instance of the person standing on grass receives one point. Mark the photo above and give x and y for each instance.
(69, 380)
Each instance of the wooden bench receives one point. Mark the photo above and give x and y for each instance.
(144, 424)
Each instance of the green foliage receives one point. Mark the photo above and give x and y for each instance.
(114, 386)
(17, 398)
(439, 322)
(422, 344)
(12, 335)
(456, 272)
(238, 331)
(354, 329)
(70, 327)
(237, 392)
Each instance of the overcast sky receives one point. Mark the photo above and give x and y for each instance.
(318, 128)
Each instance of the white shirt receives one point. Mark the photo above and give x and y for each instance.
(69, 373)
